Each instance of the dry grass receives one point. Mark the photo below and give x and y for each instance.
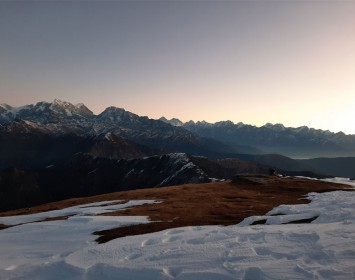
(222, 203)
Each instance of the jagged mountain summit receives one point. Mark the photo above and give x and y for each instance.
(173, 121)
(45, 111)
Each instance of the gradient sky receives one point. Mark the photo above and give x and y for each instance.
(290, 62)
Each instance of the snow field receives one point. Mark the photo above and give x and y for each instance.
(323, 249)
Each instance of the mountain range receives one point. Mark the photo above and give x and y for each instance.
(58, 150)
(62, 118)
(200, 138)
(300, 142)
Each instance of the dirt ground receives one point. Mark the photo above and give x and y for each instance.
(220, 203)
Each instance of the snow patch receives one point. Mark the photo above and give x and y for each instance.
(81, 210)
(68, 112)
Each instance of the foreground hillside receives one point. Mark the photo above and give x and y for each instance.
(86, 175)
(304, 241)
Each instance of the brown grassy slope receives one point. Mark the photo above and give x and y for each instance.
(222, 203)
(215, 203)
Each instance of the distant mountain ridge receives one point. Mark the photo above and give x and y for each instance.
(301, 142)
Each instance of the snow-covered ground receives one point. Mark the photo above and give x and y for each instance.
(65, 249)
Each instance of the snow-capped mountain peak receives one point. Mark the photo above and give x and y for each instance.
(5, 106)
(239, 124)
(173, 121)
(56, 112)
(83, 110)
(164, 119)
(224, 123)
(115, 114)
(62, 107)
(276, 127)
(61, 103)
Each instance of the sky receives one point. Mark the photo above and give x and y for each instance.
(290, 62)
